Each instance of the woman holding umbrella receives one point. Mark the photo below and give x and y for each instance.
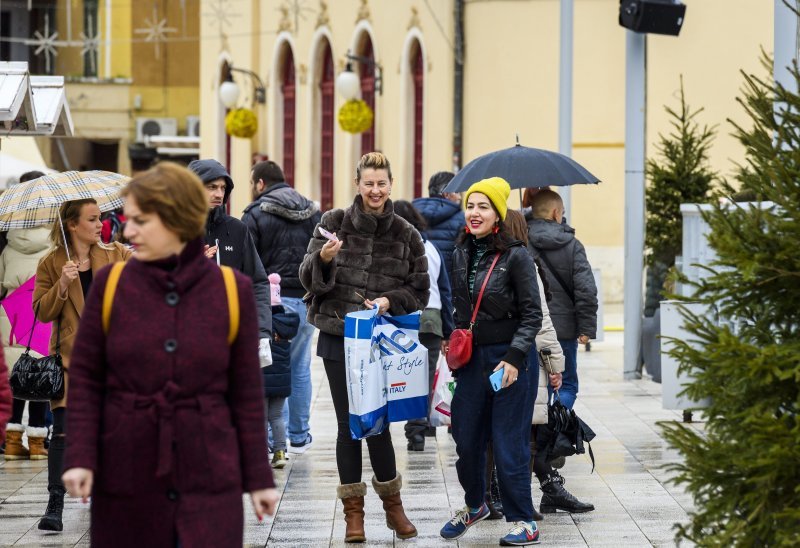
(63, 279)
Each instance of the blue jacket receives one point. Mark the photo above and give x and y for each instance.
(278, 376)
(445, 222)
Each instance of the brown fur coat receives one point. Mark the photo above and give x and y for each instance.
(382, 256)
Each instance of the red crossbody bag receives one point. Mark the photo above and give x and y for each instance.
(459, 351)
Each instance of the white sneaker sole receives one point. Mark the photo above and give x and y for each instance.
(299, 450)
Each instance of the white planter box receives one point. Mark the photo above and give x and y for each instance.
(671, 382)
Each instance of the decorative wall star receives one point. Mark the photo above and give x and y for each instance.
(155, 30)
(45, 43)
(91, 44)
(221, 13)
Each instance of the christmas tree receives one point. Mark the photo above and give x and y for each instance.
(681, 175)
(744, 471)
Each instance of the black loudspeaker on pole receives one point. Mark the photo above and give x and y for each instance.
(652, 16)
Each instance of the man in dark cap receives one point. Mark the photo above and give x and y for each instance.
(229, 243)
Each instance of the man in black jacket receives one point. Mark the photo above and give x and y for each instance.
(573, 309)
(282, 222)
(229, 243)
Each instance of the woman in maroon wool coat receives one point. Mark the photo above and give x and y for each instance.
(166, 418)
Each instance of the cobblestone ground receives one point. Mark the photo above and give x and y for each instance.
(636, 505)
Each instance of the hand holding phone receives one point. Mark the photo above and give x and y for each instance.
(332, 237)
(496, 379)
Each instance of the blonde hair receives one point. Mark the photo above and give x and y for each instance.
(70, 213)
(544, 202)
(175, 194)
(373, 160)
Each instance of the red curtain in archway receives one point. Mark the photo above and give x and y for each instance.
(367, 73)
(326, 86)
(418, 76)
(289, 94)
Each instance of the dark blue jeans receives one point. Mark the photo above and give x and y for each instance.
(569, 379)
(480, 414)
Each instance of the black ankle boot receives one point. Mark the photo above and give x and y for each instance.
(416, 442)
(51, 521)
(555, 497)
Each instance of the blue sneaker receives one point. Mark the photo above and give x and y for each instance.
(463, 520)
(523, 533)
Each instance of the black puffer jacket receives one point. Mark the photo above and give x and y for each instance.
(236, 247)
(282, 222)
(574, 310)
(511, 311)
(381, 256)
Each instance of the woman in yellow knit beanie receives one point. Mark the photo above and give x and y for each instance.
(507, 321)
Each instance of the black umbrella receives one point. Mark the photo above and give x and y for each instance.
(523, 167)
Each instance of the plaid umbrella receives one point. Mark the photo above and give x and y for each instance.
(36, 202)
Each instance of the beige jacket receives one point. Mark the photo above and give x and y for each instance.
(69, 308)
(546, 339)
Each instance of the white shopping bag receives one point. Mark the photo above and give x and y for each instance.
(405, 361)
(366, 385)
(387, 372)
(444, 385)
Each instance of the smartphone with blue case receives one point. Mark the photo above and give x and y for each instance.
(496, 379)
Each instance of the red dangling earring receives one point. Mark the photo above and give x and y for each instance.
(496, 229)
(467, 230)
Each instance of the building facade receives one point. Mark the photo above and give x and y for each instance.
(510, 61)
(126, 63)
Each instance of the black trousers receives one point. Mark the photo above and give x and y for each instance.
(55, 455)
(36, 412)
(348, 450)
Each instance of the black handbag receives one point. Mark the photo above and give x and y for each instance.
(565, 433)
(39, 379)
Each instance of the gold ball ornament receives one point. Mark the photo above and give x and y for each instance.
(355, 116)
(241, 122)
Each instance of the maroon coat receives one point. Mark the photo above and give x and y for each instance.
(166, 413)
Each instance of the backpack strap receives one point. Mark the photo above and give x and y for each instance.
(233, 302)
(230, 289)
(108, 294)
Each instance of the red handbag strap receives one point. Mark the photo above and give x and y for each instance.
(480, 295)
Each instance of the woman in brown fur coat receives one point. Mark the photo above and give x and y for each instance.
(378, 259)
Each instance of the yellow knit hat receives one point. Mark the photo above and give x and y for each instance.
(496, 189)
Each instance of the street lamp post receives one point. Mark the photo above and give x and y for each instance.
(348, 83)
(229, 89)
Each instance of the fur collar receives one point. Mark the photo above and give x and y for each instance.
(368, 223)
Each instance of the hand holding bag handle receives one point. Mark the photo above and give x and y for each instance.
(460, 350)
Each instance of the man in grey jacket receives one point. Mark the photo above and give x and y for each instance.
(573, 309)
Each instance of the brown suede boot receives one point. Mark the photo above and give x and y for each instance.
(396, 520)
(36, 437)
(14, 448)
(352, 495)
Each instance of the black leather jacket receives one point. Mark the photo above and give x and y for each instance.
(510, 311)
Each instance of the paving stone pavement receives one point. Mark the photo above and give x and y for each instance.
(635, 503)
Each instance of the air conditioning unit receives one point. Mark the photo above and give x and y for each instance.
(193, 126)
(155, 126)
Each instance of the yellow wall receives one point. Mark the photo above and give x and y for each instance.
(511, 87)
